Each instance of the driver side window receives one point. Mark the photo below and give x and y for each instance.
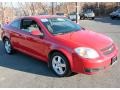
(29, 25)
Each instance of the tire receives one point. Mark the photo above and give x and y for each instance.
(61, 66)
(92, 18)
(81, 18)
(8, 46)
(112, 18)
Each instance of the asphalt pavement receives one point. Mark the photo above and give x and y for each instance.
(20, 70)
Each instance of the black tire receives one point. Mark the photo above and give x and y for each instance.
(93, 18)
(11, 51)
(67, 70)
(112, 18)
(80, 18)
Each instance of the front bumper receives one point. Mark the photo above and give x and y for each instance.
(89, 16)
(87, 66)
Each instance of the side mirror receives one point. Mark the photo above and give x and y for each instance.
(37, 33)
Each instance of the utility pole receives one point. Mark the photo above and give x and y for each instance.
(77, 12)
(98, 6)
(52, 8)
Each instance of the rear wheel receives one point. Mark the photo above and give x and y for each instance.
(8, 46)
(60, 65)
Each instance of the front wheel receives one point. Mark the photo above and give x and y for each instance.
(60, 65)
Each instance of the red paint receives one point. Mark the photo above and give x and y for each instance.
(41, 47)
(35, 32)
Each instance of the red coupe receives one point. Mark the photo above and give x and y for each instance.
(63, 44)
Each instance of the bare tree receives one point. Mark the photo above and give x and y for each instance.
(33, 8)
(2, 8)
(41, 8)
(23, 10)
(67, 7)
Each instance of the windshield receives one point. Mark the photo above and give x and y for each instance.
(60, 25)
(88, 11)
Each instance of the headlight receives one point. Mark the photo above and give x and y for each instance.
(86, 52)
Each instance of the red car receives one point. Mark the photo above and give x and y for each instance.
(63, 44)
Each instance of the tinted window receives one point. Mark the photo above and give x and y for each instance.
(15, 24)
(29, 25)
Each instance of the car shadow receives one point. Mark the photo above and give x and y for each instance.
(107, 20)
(24, 63)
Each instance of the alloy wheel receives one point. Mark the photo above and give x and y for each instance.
(59, 65)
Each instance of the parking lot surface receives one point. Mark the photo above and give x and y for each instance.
(20, 70)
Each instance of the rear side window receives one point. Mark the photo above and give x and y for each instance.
(15, 24)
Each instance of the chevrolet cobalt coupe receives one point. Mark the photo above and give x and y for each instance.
(63, 44)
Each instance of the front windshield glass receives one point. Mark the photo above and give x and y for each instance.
(60, 25)
(88, 11)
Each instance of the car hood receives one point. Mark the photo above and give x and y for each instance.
(86, 38)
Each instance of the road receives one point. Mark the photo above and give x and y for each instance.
(21, 70)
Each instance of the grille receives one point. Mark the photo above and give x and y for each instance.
(108, 50)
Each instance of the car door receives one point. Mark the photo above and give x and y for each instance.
(15, 34)
(33, 45)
